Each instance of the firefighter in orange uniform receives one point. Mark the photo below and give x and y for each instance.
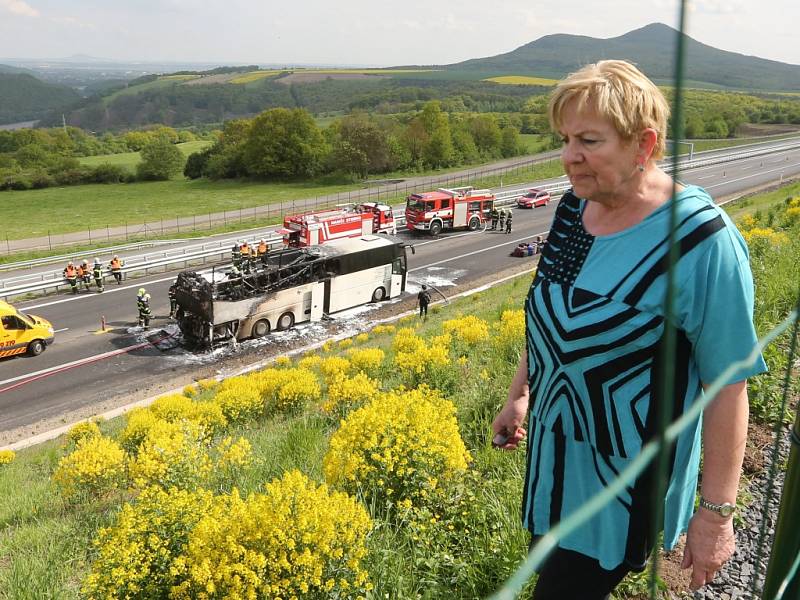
(116, 268)
(71, 275)
(246, 252)
(85, 274)
(262, 250)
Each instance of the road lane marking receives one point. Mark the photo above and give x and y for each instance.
(516, 241)
(727, 181)
(60, 330)
(29, 377)
(109, 291)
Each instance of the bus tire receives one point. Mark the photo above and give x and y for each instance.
(436, 228)
(36, 347)
(260, 328)
(379, 294)
(285, 321)
(474, 223)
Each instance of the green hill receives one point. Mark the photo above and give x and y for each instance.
(23, 97)
(652, 48)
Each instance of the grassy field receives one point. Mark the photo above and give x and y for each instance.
(163, 81)
(522, 80)
(761, 202)
(129, 160)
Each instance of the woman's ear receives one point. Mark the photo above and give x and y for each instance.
(646, 142)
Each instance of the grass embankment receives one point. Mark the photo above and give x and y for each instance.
(439, 529)
(129, 160)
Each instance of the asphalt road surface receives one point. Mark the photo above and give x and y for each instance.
(88, 370)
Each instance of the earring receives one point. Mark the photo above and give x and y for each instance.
(640, 166)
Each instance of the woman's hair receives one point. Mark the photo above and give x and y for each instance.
(618, 91)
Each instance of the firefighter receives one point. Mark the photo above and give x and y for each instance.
(495, 216)
(97, 273)
(424, 298)
(502, 217)
(71, 275)
(139, 295)
(508, 222)
(116, 268)
(144, 311)
(262, 251)
(245, 261)
(236, 254)
(85, 274)
(173, 300)
(234, 273)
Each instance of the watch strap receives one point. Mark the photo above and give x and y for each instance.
(726, 509)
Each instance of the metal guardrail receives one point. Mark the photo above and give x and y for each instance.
(54, 279)
(58, 281)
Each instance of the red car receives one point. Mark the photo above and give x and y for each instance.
(533, 198)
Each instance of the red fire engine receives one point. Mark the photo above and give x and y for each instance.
(312, 228)
(448, 209)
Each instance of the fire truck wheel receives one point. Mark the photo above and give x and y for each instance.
(285, 321)
(36, 347)
(261, 328)
(474, 223)
(378, 295)
(436, 228)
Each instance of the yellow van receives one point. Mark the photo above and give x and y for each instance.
(21, 333)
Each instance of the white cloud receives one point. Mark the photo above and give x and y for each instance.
(18, 7)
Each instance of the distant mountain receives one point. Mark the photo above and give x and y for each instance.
(10, 69)
(652, 48)
(23, 97)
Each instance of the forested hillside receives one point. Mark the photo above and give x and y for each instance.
(23, 97)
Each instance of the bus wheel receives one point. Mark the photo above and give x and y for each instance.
(285, 321)
(36, 347)
(436, 228)
(378, 295)
(474, 223)
(261, 328)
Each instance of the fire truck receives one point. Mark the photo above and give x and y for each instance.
(313, 228)
(448, 209)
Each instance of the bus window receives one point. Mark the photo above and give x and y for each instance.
(397, 266)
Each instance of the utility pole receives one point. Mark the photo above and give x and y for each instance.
(64, 122)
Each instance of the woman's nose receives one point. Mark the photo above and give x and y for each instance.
(570, 154)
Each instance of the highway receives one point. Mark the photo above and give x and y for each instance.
(87, 371)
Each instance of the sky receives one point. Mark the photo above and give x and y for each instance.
(368, 32)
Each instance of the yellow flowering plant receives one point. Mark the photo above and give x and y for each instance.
(309, 362)
(95, 468)
(345, 343)
(381, 329)
(283, 390)
(283, 361)
(7, 457)
(333, 366)
(362, 337)
(79, 431)
(469, 330)
(135, 555)
(296, 540)
(172, 455)
(509, 336)
(240, 399)
(345, 393)
(367, 360)
(397, 448)
(174, 408)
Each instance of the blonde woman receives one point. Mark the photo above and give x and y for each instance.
(590, 379)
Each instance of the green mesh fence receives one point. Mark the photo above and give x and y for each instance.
(783, 579)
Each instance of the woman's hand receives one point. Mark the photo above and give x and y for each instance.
(507, 425)
(710, 542)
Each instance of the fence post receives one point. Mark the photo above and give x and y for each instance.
(108, 232)
(786, 544)
(49, 242)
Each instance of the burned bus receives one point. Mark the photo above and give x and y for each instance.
(291, 286)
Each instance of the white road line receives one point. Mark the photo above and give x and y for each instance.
(750, 176)
(72, 363)
(704, 177)
(62, 329)
(108, 291)
(439, 262)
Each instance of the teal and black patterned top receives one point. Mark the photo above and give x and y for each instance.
(595, 323)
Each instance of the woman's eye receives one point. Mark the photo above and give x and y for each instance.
(564, 141)
(589, 142)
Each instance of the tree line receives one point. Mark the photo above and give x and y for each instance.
(287, 143)
(39, 158)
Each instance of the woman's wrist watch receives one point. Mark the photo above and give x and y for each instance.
(724, 510)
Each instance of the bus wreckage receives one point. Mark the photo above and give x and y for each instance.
(289, 286)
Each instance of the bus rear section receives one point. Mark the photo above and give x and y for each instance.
(293, 286)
